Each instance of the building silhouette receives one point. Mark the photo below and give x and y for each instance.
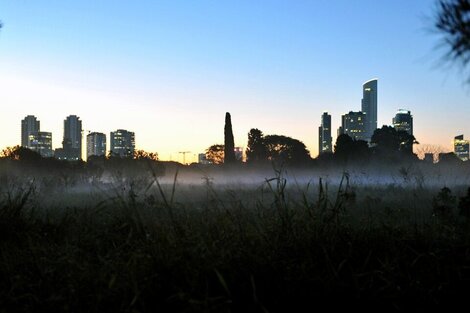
(29, 126)
(369, 107)
(324, 134)
(429, 157)
(403, 120)
(96, 144)
(122, 143)
(354, 125)
(72, 142)
(461, 147)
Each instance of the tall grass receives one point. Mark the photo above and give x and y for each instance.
(270, 248)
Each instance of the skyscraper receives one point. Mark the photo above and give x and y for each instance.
(29, 126)
(353, 124)
(72, 143)
(369, 107)
(96, 144)
(324, 134)
(461, 148)
(122, 143)
(403, 120)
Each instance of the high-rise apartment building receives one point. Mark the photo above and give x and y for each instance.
(369, 107)
(96, 144)
(403, 120)
(461, 148)
(353, 124)
(41, 142)
(324, 134)
(72, 143)
(122, 143)
(29, 126)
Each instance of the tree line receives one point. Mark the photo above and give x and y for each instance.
(387, 144)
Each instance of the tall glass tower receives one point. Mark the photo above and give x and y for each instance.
(324, 134)
(369, 107)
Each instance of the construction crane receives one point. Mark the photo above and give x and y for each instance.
(184, 155)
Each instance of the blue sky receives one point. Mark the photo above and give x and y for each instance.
(169, 70)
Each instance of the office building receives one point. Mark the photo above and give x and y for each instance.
(353, 124)
(122, 143)
(96, 144)
(461, 148)
(41, 142)
(324, 134)
(369, 107)
(403, 120)
(29, 126)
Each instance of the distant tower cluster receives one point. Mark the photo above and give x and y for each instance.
(96, 144)
(122, 143)
(324, 134)
(32, 138)
(461, 148)
(361, 125)
(403, 120)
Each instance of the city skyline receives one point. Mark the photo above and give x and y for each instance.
(359, 125)
(133, 67)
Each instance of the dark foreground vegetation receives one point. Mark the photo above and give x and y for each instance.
(132, 246)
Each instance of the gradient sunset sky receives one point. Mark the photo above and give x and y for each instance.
(169, 70)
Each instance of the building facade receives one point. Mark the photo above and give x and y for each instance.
(29, 126)
(96, 144)
(461, 147)
(369, 107)
(41, 142)
(354, 125)
(324, 134)
(403, 120)
(122, 143)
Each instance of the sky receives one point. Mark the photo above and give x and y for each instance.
(169, 70)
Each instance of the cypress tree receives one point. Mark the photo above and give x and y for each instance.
(229, 153)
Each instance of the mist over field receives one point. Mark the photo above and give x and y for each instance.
(190, 184)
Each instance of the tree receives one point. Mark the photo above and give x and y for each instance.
(452, 20)
(229, 148)
(21, 154)
(388, 141)
(347, 148)
(256, 149)
(215, 154)
(144, 155)
(282, 148)
(435, 150)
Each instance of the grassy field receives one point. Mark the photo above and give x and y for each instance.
(173, 245)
